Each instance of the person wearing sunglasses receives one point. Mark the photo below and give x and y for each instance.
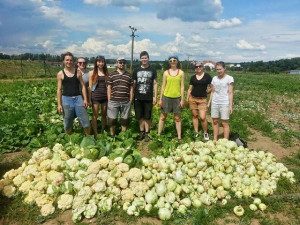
(70, 101)
(196, 98)
(172, 95)
(145, 85)
(120, 96)
(81, 66)
(221, 100)
(98, 92)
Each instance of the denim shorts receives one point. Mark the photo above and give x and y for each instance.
(220, 111)
(73, 106)
(113, 109)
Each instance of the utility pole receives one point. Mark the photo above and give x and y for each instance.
(133, 30)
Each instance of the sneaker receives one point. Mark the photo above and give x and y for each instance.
(140, 136)
(206, 137)
(196, 135)
(147, 138)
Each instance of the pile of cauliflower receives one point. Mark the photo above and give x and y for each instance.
(194, 174)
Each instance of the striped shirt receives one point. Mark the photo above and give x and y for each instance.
(120, 86)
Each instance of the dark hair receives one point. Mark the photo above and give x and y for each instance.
(144, 53)
(178, 63)
(95, 70)
(221, 63)
(67, 54)
(173, 56)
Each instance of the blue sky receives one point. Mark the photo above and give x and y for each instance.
(228, 30)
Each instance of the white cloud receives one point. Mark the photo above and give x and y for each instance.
(225, 23)
(242, 44)
(98, 2)
(131, 8)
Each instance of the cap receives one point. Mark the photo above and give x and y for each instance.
(100, 57)
(173, 57)
(121, 58)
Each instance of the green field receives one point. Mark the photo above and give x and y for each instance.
(265, 103)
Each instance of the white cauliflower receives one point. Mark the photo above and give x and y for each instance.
(123, 167)
(43, 200)
(85, 162)
(57, 147)
(127, 195)
(90, 179)
(73, 164)
(26, 186)
(40, 155)
(85, 193)
(99, 186)
(103, 175)
(56, 178)
(139, 188)
(18, 180)
(47, 209)
(78, 185)
(41, 186)
(77, 212)
(105, 204)
(57, 165)
(45, 165)
(104, 161)
(77, 202)
(134, 174)
(31, 170)
(65, 201)
(80, 174)
(51, 189)
(118, 160)
(94, 168)
(31, 196)
(9, 190)
(3, 183)
(90, 210)
(11, 174)
(122, 182)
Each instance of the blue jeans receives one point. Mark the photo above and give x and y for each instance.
(74, 106)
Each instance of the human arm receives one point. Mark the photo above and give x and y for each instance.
(59, 92)
(209, 89)
(155, 87)
(230, 93)
(131, 93)
(211, 95)
(83, 88)
(163, 86)
(182, 90)
(108, 92)
(90, 87)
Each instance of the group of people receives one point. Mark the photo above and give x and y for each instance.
(116, 91)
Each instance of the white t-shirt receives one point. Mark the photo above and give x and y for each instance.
(221, 89)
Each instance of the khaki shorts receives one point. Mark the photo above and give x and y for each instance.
(198, 103)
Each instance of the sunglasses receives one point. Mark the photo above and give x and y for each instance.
(172, 60)
(122, 63)
(198, 66)
(81, 63)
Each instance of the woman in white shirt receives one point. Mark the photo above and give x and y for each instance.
(221, 100)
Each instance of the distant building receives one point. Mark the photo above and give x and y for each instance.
(210, 64)
(294, 72)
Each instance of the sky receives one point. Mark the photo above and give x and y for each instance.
(218, 30)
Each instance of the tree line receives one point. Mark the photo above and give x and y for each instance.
(276, 66)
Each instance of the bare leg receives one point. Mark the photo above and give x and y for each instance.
(195, 120)
(226, 128)
(203, 120)
(177, 119)
(94, 120)
(161, 122)
(103, 116)
(147, 125)
(216, 128)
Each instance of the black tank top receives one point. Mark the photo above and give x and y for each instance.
(70, 85)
